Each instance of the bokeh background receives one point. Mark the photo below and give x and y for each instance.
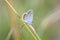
(41, 10)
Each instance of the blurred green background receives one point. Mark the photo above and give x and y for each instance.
(41, 9)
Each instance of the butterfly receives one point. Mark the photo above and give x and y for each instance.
(28, 17)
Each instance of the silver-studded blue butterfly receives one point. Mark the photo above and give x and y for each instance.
(28, 17)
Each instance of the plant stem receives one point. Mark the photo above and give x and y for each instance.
(13, 22)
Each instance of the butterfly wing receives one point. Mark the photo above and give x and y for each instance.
(28, 17)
